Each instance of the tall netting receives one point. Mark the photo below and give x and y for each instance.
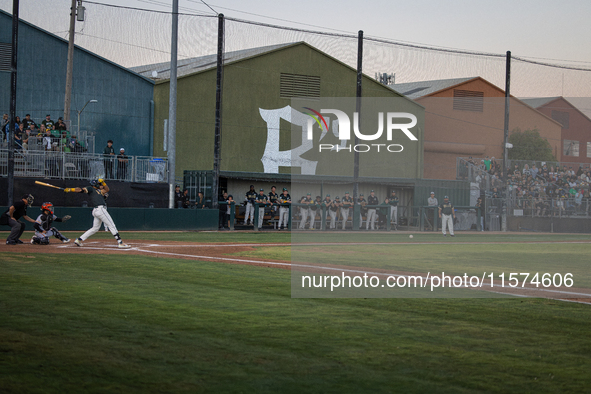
(267, 136)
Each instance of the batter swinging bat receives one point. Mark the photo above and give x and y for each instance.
(48, 185)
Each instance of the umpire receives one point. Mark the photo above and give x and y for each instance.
(11, 218)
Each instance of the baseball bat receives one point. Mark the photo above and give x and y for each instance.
(48, 185)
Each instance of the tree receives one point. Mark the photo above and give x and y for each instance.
(529, 145)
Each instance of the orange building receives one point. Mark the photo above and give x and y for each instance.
(465, 117)
(576, 127)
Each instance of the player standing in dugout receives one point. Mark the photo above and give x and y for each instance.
(98, 192)
(446, 212)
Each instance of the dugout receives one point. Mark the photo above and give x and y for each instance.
(413, 193)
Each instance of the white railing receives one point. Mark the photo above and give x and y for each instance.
(73, 165)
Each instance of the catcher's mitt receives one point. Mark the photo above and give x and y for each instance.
(66, 218)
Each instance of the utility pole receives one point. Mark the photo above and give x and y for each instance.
(505, 141)
(70, 66)
(172, 104)
(218, 113)
(12, 118)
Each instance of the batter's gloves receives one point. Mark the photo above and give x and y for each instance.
(69, 190)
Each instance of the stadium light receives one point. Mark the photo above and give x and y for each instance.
(79, 112)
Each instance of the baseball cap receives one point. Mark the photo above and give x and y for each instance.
(121, 149)
(261, 190)
(432, 192)
(361, 195)
(372, 191)
(309, 194)
(445, 197)
(328, 195)
(284, 189)
(346, 192)
(336, 198)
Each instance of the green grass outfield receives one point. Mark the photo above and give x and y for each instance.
(122, 323)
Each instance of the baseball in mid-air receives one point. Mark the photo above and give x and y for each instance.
(410, 236)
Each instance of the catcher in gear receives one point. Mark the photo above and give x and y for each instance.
(43, 226)
(98, 191)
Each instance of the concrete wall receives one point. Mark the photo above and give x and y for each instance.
(123, 109)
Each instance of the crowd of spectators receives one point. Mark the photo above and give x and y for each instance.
(539, 188)
(51, 135)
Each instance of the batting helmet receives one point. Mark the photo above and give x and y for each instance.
(94, 183)
(47, 206)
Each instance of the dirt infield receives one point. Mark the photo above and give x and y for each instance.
(230, 253)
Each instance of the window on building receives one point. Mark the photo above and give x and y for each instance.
(561, 117)
(294, 85)
(570, 148)
(5, 56)
(468, 100)
(588, 149)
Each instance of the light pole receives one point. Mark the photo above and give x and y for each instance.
(79, 112)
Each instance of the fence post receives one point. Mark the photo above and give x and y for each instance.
(256, 216)
(232, 215)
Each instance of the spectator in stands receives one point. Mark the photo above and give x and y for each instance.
(224, 211)
(4, 123)
(19, 134)
(186, 199)
(60, 125)
(579, 201)
(178, 197)
(526, 171)
(109, 154)
(25, 136)
(64, 142)
(486, 163)
(200, 202)
(534, 171)
(48, 123)
(28, 121)
(34, 130)
(122, 161)
(50, 144)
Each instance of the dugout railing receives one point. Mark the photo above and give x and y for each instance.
(74, 165)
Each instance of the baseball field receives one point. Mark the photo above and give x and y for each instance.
(215, 312)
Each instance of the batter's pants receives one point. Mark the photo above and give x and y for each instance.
(100, 216)
(447, 220)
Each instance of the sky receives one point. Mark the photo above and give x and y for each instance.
(545, 29)
(540, 30)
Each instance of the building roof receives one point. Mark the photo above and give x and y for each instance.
(414, 90)
(542, 101)
(201, 63)
(538, 102)
(77, 47)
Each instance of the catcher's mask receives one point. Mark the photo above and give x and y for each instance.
(47, 206)
(29, 199)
